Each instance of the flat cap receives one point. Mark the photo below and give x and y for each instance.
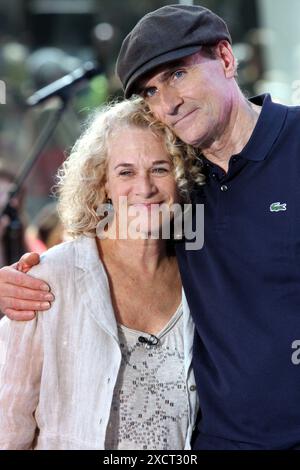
(164, 35)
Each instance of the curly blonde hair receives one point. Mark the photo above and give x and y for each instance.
(81, 180)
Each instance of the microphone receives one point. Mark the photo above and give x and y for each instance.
(152, 341)
(63, 85)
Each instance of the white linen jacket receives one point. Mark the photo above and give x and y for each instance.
(59, 370)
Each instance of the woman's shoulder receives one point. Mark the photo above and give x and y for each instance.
(54, 257)
(59, 262)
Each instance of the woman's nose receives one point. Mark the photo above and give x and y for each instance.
(145, 186)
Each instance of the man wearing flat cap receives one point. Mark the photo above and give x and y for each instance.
(243, 285)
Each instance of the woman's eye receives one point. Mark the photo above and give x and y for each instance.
(125, 173)
(160, 170)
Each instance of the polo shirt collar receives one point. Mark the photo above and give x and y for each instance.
(267, 129)
(265, 133)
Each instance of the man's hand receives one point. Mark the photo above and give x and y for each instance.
(21, 295)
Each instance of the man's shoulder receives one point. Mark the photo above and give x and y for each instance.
(294, 111)
(292, 124)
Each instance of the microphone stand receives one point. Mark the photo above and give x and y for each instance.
(64, 88)
(13, 236)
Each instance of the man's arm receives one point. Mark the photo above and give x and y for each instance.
(20, 294)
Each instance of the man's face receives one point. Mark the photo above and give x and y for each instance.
(192, 96)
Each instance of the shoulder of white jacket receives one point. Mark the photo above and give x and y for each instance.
(55, 261)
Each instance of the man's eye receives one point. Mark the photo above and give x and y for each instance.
(149, 92)
(178, 74)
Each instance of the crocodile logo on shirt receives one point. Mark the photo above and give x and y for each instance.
(277, 207)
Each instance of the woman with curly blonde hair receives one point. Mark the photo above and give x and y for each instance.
(109, 366)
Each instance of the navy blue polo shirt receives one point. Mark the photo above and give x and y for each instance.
(243, 289)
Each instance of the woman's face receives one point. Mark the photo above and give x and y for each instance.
(140, 178)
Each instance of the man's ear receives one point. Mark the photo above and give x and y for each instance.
(225, 54)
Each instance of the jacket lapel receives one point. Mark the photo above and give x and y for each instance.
(92, 283)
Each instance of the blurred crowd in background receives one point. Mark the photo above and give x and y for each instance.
(42, 40)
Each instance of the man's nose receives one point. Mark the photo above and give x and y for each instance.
(170, 100)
